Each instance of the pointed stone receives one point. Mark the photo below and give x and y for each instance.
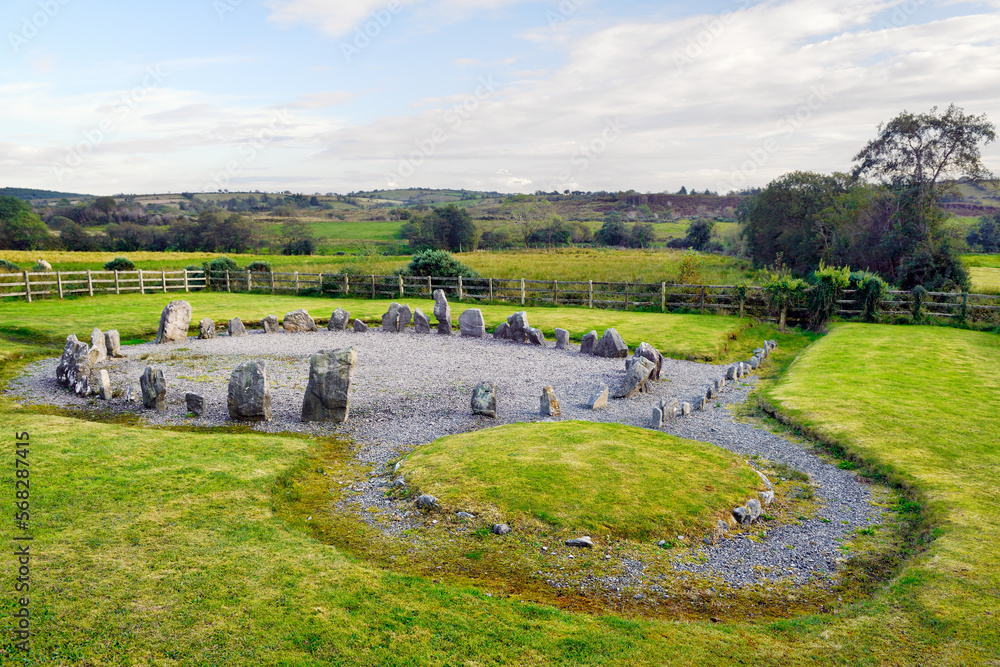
(599, 398)
(647, 351)
(236, 327)
(536, 337)
(405, 315)
(562, 338)
(298, 320)
(588, 342)
(549, 404)
(270, 324)
(442, 313)
(98, 348)
(500, 333)
(421, 323)
(195, 404)
(154, 389)
(113, 343)
(359, 326)
(611, 346)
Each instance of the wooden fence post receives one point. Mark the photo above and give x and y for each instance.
(460, 288)
(118, 289)
(296, 283)
(59, 283)
(347, 284)
(522, 291)
(555, 292)
(491, 290)
(590, 294)
(626, 296)
(401, 287)
(164, 277)
(90, 283)
(703, 299)
(272, 281)
(249, 281)
(27, 286)
(373, 285)
(430, 288)
(142, 287)
(228, 287)
(320, 288)
(186, 286)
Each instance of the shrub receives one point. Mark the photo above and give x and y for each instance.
(781, 290)
(828, 288)
(689, 270)
(119, 264)
(215, 270)
(936, 269)
(259, 266)
(8, 267)
(869, 294)
(439, 264)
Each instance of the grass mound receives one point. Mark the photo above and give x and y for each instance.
(605, 479)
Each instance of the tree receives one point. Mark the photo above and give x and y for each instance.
(641, 235)
(986, 235)
(699, 233)
(528, 214)
(20, 227)
(612, 232)
(682, 191)
(106, 205)
(76, 238)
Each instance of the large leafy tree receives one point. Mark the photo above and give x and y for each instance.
(447, 228)
(527, 214)
(20, 227)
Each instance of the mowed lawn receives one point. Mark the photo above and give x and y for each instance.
(137, 317)
(925, 403)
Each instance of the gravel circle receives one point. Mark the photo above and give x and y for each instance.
(410, 389)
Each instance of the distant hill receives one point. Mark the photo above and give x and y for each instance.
(31, 194)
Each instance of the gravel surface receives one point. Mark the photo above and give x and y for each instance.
(410, 389)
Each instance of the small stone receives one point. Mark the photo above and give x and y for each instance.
(741, 515)
(754, 363)
(588, 342)
(517, 326)
(599, 398)
(484, 400)
(471, 323)
(581, 542)
(712, 391)
(754, 509)
(501, 529)
(98, 349)
(113, 344)
(195, 404)
(298, 320)
(236, 327)
(501, 332)
(562, 338)
(656, 418)
(766, 497)
(464, 515)
(338, 320)
(611, 346)
(549, 403)
(154, 389)
(661, 543)
(249, 396)
(421, 323)
(174, 322)
(270, 324)
(359, 326)
(685, 409)
(723, 526)
(427, 501)
(670, 409)
(399, 482)
(105, 388)
(206, 329)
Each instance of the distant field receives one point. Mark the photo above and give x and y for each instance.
(357, 231)
(985, 279)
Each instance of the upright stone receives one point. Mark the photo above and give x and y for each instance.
(390, 321)
(74, 366)
(754, 363)
(105, 385)
(442, 312)
(501, 332)
(249, 396)
(685, 409)
(636, 376)
(174, 322)
(421, 323)
(732, 373)
(206, 328)
(598, 398)
(656, 417)
(562, 338)
(271, 325)
(484, 400)
(405, 316)
(195, 404)
(338, 320)
(113, 344)
(154, 389)
(588, 342)
(649, 352)
(236, 327)
(328, 394)
(700, 403)
(549, 404)
(298, 320)
(359, 326)
(98, 348)
(536, 337)
(711, 392)
(611, 346)
(518, 326)
(754, 508)
(471, 323)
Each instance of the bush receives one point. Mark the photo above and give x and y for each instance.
(782, 290)
(937, 270)
(9, 267)
(439, 264)
(828, 288)
(259, 266)
(870, 291)
(120, 264)
(215, 270)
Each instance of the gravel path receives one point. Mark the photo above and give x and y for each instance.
(410, 389)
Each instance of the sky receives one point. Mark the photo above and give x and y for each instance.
(320, 96)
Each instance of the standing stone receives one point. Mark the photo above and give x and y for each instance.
(405, 315)
(236, 327)
(154, 389)
(98, 348)
(518, 326)
(249, 396)
(206, 328)
(298, 320)
(328, 394)
(647, 351)
(501, 332)
(359, 326)
(760, 352)
(338, 320)
(685, 409)
(732, 373)
(720, 384)
(636, 376)
(562, 338)
(174, 322)
(741, 515)
(711, 392)
(611, 346)
(536, 337)
(390, 321)
(442, 312)
(588, 342)
(700, 403)
(105, 385)
(73, 370)
(471, 323)
(421, 323)
(599, 398)
(656, 417)
(113, 343)
(195, 404)
(549, 403)
(270, 324)
(670, 409)
(767, 497)
(484, 400)
(753, 507)
(754, 363)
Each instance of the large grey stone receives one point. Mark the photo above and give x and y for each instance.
(536, 337)
(471, 323)
(611, 345)
(298, 320)
(562, 338)
(359, 326)
(328, 394)
(249, 397)
(105, 385)
(647, 351)
(753, 507)
(390, 320)
(670, 409)
(484, 400)
(442, 312)
(154, 389)
(500, 333)
(741, 515)
(588, 342)
(405, 315)
(195, 404)
(549, 404)
(732, 373)
(236, 327)
(98, 348)
(174, 322)
(598, 398)
(73, 370)
(518, 326)
(206, 328)
(639, 370)
(766, 497)
(421, 323)
(338, 320)
(270, 324)
(113, 343)
(581, 542)
(699, 403)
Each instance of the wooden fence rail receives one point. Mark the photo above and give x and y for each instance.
(660, 297)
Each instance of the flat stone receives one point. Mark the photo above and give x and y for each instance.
(442, 313)
(359, 326)
(536, 337)
(426, 502)
(338, 320)
(195, 404)
(501, 529)
(236, 327)
(113, 344)
(581, 542)
(98, 348)
(298, 320)
(174, 322)
(647, 351)
(271, 325)
(105, 385)
(328, 394)
(421, 323)
(484, 400)
(249, 396)
(471, 323)
(562, 338)
(599, 398)
(154, 389)
(549, 404)
(206, 329)
(611, 346)
(588, 342)
(464, 515)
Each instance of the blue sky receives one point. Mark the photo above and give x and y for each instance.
(509, 95)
